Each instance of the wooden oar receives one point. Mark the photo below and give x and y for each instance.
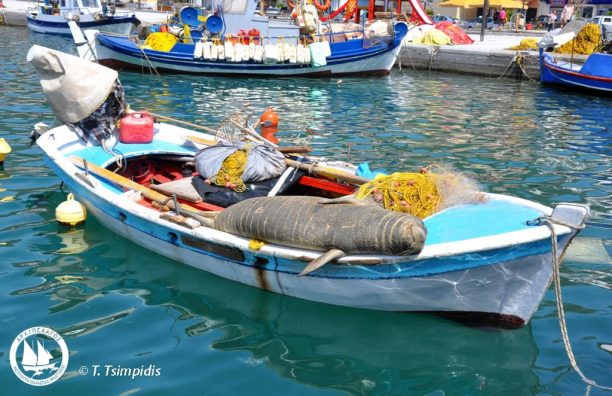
(187, 210)
(202, 127)
(328, 171)
(282, 149)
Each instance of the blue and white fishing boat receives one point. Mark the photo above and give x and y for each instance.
(484, 261)
(594, 75)
(347, 52)
(488, 260)
(88, 14)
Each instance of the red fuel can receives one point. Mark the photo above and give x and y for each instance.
(136, 128)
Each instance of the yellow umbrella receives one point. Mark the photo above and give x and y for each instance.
(479, 3)
(511, 4)
(460, 3)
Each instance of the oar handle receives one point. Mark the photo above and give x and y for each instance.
(132, 185)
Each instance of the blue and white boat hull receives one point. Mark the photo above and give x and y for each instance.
(57, 24)
(595, 75)
(346, 59)
(496, 277)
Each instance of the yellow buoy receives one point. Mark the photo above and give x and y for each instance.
(5, 149)
(70, 212)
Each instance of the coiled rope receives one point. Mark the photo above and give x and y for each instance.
(549, 222)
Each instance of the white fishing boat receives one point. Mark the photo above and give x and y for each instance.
(45, 18)
(489, 261)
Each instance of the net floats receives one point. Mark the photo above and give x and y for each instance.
(5, 149)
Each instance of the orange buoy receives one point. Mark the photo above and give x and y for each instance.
(269, 118)
(269, 133)
(269, 125)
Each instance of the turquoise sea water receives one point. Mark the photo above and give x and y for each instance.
(116, 303)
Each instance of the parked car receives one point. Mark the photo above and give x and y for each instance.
(272, 11)
(476, 22)
(443, 18)
(602, 20)
(275, 11)
(605, 24)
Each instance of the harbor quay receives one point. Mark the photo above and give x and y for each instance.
(490, 57)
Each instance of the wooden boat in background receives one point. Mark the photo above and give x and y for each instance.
(595, 75)
(88, 15)
(350, 52)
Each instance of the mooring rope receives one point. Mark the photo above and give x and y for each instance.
(559, 299)
(432, 55)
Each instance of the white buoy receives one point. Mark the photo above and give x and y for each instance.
(5, 149)
(70, 212)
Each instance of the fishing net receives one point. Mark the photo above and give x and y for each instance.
(529, 43)
(586, 41)
(421, 194)
(232, 127)
(160, 41)
(230, 174)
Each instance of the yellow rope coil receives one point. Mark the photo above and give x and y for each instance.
(422, 194)
(585, 42)
(413, 193)
(230, 174)
(529, 43)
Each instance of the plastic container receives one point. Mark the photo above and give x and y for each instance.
(136, 128)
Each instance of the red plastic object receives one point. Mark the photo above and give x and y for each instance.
(136, 128)
(456, 34)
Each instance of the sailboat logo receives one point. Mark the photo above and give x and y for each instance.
(36, 365)
(31, 361)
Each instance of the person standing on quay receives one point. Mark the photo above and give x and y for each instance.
(567, 13)
(502, 17)
(552, 19)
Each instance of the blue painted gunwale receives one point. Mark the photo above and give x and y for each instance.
(410, 268)
(83, 25)
(341, 53)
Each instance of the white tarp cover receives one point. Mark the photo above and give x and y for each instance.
(74, 87)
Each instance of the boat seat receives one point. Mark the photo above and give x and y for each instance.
(183, 188)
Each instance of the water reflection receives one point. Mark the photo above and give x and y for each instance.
(314, 344)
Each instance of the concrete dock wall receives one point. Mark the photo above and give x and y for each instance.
(465, 60)
(12, 18)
